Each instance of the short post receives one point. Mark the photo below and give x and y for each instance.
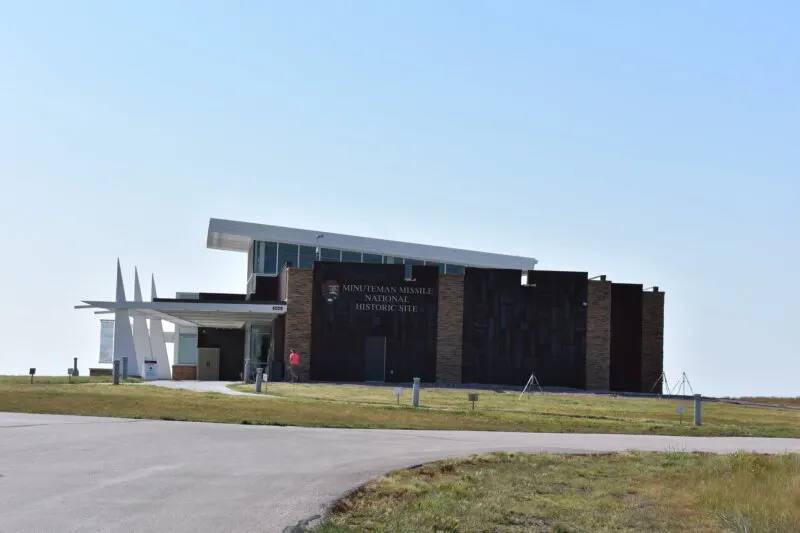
(75, 367)
(398, 391)
(124, 367)
(473, 397)
(415, 393)
(259, 378)
(698, 409)
(115, 372)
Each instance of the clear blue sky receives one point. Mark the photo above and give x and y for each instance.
(656, 142)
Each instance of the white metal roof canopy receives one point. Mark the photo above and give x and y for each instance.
(195, 314)
(237, 236)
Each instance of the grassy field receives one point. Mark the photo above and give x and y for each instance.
(11, 381)
(560, 412)
(318, 405)
(632, 492)
(771, 400)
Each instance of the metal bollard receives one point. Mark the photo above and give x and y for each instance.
(698, 409)
(115, 372)
(259, 378)
(415, 393)
(124, 367)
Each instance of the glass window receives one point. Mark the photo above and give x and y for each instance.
(414, 262)
(392, 260)
(266, 256)
(307, 256)
(287, 254)
(454, 269)
(372, 258)
(329, 254)
(434, 263)
(351, 257)
(187, 349)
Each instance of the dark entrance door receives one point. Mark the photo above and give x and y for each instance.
(375, 359)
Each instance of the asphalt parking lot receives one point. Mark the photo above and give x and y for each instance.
(84, 474)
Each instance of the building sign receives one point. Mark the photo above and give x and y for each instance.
(106, 342)
(387, 298)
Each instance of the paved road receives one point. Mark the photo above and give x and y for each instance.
(83, 474)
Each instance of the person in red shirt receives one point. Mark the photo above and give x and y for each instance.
(294, 365)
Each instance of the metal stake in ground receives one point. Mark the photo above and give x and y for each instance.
(532, 382)
(663, 380)
(680, 388)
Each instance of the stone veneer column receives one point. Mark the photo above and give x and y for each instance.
(299, 291)
(449, 328)
(652, 339)
(598, 336)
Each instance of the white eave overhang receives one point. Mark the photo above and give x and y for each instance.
(237, 236)
(194, 314)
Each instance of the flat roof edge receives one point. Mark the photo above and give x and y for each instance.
(231, 235)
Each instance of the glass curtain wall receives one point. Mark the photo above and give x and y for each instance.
(270, 257)
(258, 353)
(265, 258)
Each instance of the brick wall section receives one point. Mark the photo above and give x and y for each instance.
(299, 283)
(652, 339)
(450, 329)
(598, 336)
(184, 372)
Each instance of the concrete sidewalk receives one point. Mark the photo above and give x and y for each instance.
(220, 387)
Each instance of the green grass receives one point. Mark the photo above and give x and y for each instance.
(8, 381)
(631, 492)
(446, 409)
(772, 400)
(560, 412)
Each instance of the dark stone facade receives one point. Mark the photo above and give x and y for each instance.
(652, 340)
(626, 337)
(484, 327)
(355, 302)
(512, 330)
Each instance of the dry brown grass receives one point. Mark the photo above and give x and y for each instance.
(539, 414)
(771, 400)
(631, 492)
(563, 410)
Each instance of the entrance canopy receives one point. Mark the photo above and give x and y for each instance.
(194, 313)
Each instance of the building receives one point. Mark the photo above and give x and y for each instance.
(362, 309)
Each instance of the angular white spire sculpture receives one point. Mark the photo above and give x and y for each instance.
(158, 343)
(141, 338)
(123, 338)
